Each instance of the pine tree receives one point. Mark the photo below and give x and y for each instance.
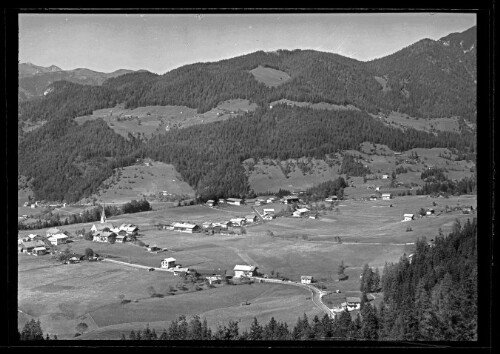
(256, 330)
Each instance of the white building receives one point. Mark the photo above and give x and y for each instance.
(386, 196)
(234, 201)
(58, 239)
(168, 263)
(238, 221)
(300, 212)
(408, 217)
(244, 271)
(385, 176)
(306, 279)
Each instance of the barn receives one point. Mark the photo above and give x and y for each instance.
(244, 271)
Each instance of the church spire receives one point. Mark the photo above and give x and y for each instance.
(103, 216)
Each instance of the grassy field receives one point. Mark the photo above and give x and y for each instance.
(269, 76)
(319, 105)
(404, 121)
(149, 120)
(371, 231)
(133, 182)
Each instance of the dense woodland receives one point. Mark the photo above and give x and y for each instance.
(67, 162)
(429, 296)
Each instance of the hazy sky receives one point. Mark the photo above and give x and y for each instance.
(161, 42)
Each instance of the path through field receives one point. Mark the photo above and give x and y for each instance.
(245, 257)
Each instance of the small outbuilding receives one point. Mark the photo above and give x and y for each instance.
(58, 239)
(168, 263)
(306, 279)
(386, 196)
(408, 217)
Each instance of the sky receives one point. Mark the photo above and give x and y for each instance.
(162, 42)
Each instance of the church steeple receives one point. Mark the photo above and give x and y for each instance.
(103, 216)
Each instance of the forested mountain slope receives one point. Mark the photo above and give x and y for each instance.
(424, 78)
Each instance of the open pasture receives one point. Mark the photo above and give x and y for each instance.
(150, 120)
(132, 182)
(269, 76)
(371, 231)
(404, 121)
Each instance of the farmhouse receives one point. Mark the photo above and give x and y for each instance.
(221, 201)
(429, 212)
(235, 201)
(168, 263)
(331, 199)
(408, 217)
(251, 218)
(185, 227)
(121, 238)
(107, 226)
(386, 196)
(27, 247)
(225, 224)
(39, 251)
(210, 203)
(238, 221)
(130, 229)
(300, 212)
(58, 239)
(306, 279)
(206, 225)
(313, 216)
(268, 211)
(244, 271)
(53, 231)
(152, 248)
(353, 303)
(271, 200)
(289, 200)
(385, 176)
(104, 236)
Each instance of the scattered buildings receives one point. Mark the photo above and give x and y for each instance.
(130, 229)
(306, 279)
(29, 246)
(244, 271)
(210, 203)
(168, 263)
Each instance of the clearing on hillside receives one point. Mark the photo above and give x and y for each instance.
(432, 125)
(319, 105)
(269, 76)
(142, 179)
(150, 120)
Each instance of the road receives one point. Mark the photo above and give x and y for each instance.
(315, 292)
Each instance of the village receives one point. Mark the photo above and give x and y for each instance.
(265, 211)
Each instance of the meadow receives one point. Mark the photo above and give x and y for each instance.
(371, 233)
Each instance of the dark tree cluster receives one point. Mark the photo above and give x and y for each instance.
(327, 189)
(351, 167)
(433, 295)
(136, 206)
(433, 174)
(467, 185)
